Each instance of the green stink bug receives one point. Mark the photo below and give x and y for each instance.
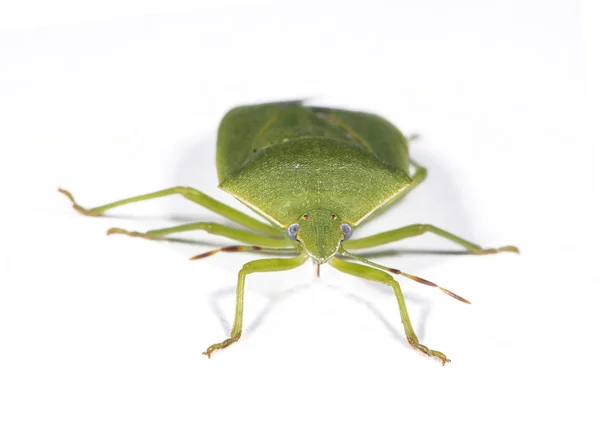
(316, 174)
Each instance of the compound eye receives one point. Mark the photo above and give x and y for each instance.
(292, 231)
(346, 229)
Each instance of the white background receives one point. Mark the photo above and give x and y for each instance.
(124, 98)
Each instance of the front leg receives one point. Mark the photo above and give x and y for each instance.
(373, 274)
(260, 265)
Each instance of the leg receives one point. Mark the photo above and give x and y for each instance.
(418, 177)
(261, 265)
(347, 254)
(417, 230)
(190, 194)
(373, 274)
(283, 250)
(211, 228)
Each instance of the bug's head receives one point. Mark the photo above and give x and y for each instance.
(320, 232)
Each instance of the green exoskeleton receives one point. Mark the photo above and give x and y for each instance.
(315, 174)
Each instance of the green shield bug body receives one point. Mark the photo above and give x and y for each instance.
(316, 174)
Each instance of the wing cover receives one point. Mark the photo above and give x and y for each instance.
(283, 159)
(245, 130)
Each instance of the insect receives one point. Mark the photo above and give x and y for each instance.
(316, 174)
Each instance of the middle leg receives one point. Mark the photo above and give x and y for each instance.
(211, 228)
(417, 230)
